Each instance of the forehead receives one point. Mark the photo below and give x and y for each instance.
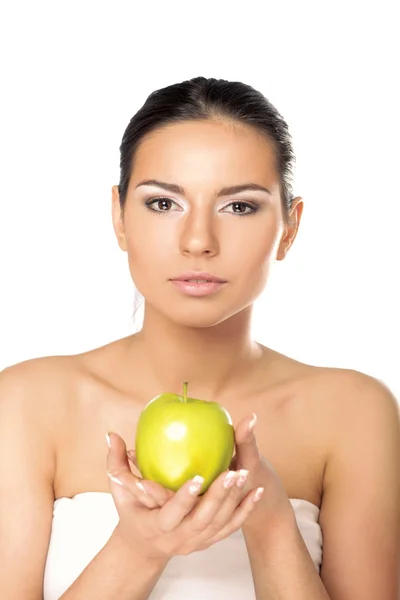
(206, 150)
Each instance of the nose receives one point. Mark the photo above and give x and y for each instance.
(199, 235)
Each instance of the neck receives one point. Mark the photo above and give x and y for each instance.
(210, 359)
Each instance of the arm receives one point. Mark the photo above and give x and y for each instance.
(28, 414)
(116, 573)
(360, 513)
(26, 492)
(281, 564)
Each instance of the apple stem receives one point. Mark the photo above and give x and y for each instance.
(185, 391)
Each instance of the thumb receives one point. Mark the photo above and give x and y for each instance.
(160, 494)
(123, 480)
(247, 451)
(131, 454)
(117, 467)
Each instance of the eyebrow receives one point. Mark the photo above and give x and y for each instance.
(226, 191)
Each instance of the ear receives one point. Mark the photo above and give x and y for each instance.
(118, 220)
(291, 228)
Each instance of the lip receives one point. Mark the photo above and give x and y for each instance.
(205, 288)
(207, 277)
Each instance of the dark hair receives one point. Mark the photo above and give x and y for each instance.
(201, 99)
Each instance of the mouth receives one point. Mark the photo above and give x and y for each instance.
(197, 287)
(197, 280)
(199, 277)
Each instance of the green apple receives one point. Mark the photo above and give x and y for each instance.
(179, 437)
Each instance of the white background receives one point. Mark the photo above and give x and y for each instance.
(74, 73)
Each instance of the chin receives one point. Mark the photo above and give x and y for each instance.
(201, 316)
(196, 318)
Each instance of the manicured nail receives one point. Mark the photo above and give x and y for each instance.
(141, 487)
(230, 479)
(241, 477)
(108, 440)
(258, 494)
(114, 479)
(195, 487)
(253, 422)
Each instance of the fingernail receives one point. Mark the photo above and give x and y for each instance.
(230, 479)
(258, 494)
(141, 487)
(114, 479)
(195, 487)
(253, 422)
(241, 477)
(108, 440)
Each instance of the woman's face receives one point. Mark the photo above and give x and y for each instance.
(236, 237)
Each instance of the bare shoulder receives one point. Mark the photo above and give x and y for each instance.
(50, 386)
(354, 413)
(38, 374)
(335, 402)
(38, 388)
(49, 372)
(339, 389)
(350, 394)
(37, 368)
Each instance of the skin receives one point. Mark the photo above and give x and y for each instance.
(308, 426)
(202, 232)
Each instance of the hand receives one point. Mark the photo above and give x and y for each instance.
(185, 522)
(275, 503)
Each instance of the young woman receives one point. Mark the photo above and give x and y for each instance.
(309, 509)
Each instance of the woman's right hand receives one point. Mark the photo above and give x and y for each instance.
(158, 523)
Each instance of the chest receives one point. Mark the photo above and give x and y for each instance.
(284, 436)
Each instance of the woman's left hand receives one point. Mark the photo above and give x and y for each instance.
(274, 503)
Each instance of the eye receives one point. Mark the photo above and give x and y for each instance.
(163, 204)
(242, 207)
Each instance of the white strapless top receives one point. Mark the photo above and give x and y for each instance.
(83, 524)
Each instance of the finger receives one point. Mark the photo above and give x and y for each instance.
(159, 493)
(121, 478)
(154, 489)
(180, 505)
(234, 463)
(247, 452)
(245, 428)
(232, 501)
(212, 502)
(245, 508)
(131, 454)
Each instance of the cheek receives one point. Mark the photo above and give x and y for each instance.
(150, 247)
(145, 237)
(255, 255)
